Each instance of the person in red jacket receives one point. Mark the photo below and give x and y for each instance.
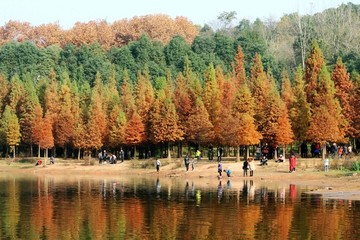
(292, 162)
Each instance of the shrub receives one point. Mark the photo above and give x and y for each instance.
(356, 166)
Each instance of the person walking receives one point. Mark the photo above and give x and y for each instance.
(122, 155)
(187, 162)
(193, 162)
(158, 164)
(251, 166)
(245, 168)
(292, 162)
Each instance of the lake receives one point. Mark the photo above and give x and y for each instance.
(46, 207)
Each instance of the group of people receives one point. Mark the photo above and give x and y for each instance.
(104, 157)
(187, 162)
(248, 165)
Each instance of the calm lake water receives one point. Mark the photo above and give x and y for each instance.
(36, 207)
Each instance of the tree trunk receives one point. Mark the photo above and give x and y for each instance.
(39, 151)
(275, 154)
(248, 152)
(323, 152)
(237, 153)
(45, 156)
(179, 155)
(168, 149)
(65, 151)
(14, 152)
(31, 150)
(134, 151)
(79, 154)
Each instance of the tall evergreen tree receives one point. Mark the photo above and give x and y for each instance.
(65, 121)
(29, 102)
(245, 133)
(239, 68)
(300, 108)
(344, 92)
(212, 98)
(3, 91)
(313, 65)
(327, 122)
(259, 86)
(10, 129)
(135, 131)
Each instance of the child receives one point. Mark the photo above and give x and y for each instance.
(326, 164)
(228, 172)
(220, 169)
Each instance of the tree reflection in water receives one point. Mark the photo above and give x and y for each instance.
(163, 208)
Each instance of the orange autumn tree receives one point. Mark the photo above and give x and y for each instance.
(356, 103)
(94, 124)
(164, 119)
(272, 111)
(239, 68)
(313, 65)
(284, 134)
(46, 140)
(344, 92)
(287, 94)
(228, 92)
(65, 122)
(144, 99)
(327, 122)
(244, 129)
(200, 129)
(37, 126)
(183, 103)
(117, 127)
(135, 131)
(259, 87)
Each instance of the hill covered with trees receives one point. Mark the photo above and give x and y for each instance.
(154, 82)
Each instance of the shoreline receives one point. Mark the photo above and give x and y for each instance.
(332, 185)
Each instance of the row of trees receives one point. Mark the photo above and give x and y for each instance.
(159, 27)
(236, 109)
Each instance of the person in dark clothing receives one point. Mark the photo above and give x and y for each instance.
(245, 168)
(219, 154)
(187, 162)
(304, 150)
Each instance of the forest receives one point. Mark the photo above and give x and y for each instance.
(160, 84)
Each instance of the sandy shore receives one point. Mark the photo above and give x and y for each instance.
(333, 184)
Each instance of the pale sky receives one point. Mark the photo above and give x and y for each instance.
(68, 12)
